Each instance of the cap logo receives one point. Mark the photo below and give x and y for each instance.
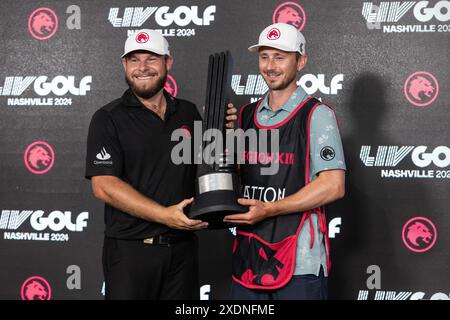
(142, 37)
(273, 34)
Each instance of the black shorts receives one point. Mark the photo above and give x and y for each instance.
(158, 268)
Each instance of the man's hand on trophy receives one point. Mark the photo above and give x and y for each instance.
(175, 218)
(257, 211)
(231, 116)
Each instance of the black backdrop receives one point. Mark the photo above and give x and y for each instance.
(384, 67)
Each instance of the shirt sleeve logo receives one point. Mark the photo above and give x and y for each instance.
(327, 153)
(103, 155)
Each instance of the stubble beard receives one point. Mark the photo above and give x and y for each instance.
(283, 84)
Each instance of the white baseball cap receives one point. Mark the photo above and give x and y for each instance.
(147, 40)
(281, 36)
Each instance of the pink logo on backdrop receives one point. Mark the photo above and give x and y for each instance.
(142, 37)
(419, 234)
(421, 88)
(171, 86)
(43, 23)
(39, 157)
(35, 288)
(290, 13)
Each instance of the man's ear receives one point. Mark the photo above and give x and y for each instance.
(124, 63)
(169, 62)
(301, 62)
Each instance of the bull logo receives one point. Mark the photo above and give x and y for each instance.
(419, 234)
(42, 23)
(39, 157)
(142, 37)
(291, 13)
(35, 288)
(421, 88)
(327, 153)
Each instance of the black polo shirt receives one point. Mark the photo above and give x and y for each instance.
(131, 142)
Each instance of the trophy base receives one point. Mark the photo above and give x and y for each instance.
(213, 206)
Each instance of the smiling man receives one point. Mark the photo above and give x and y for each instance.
(281, 248)
(150, 251)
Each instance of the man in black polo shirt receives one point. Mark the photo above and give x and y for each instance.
(150, 250)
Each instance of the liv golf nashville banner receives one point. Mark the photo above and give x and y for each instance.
(382, 65)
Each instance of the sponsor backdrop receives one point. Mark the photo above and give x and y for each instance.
(383, 65)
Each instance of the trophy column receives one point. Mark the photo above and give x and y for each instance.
(217, 183)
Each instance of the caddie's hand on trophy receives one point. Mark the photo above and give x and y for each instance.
(231, 116)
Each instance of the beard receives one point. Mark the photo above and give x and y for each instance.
(145, 92)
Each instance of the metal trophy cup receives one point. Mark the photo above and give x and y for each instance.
(217, 184)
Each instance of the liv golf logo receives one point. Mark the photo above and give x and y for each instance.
(430, 16)
(46, 91)
(37, 222)
(418, 158)
(254, 85)
(170, 21)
